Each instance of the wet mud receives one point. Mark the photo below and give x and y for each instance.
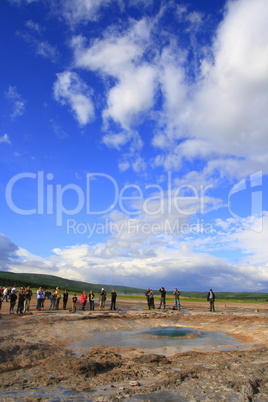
(42, 357)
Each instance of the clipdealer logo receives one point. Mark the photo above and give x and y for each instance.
(250, 188)
(52, 199)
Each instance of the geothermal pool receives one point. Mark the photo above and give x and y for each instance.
(165, 340)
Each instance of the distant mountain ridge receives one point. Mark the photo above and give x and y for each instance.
(51, 281)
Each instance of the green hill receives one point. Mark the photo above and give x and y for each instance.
(234, 296)
(51, 281)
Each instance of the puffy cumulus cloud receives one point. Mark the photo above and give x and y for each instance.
(174, 88)
(120, 55)
(71, 90)
(151, 250)
(251, 239)
(134, 95)
(192, 270)
(246, 237)
(110, 55)
(17, 102)
(229, 107)
(220, 117)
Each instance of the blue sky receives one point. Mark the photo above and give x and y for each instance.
(133, 142)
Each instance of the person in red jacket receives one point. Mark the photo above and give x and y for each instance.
(83, 300)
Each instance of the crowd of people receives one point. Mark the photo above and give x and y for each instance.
(21, 299)
(150, 298)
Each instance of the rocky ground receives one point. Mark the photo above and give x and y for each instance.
(37, 363)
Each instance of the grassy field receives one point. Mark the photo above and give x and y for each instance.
(51, 281)
(238, 299)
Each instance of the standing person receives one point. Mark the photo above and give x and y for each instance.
(53, 298)
(39, 298)
(177, 305)
(147, 297)
(14, 289)
(151, 299)
(43, 299)
(65, 299)
(163, 297)
(27, 299)
(58, 297)
(113, 299)
(5, 294)
(91, 297)
(83, 300)
(211, 298)
(13, 299)
(20, 301)
(74, 301)
(102, 299)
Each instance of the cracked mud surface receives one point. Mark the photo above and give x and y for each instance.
(37, 362)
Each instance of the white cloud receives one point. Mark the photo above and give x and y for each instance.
(110, 55)
(195, 17)
(224, 111)
(175, 91)
(18, 103)
(5, 139)
(8, 252)
(230, 108)
(119, 54)
(134, 95)
(82, 10)
(116, 140)
(34, 26)
(252, 241)
(40, 47)
(154, 248)
(152, 264)
(71, 90)
(123, 165)
(44, 49)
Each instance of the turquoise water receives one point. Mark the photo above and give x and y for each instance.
(157, 339)
(171, 332)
